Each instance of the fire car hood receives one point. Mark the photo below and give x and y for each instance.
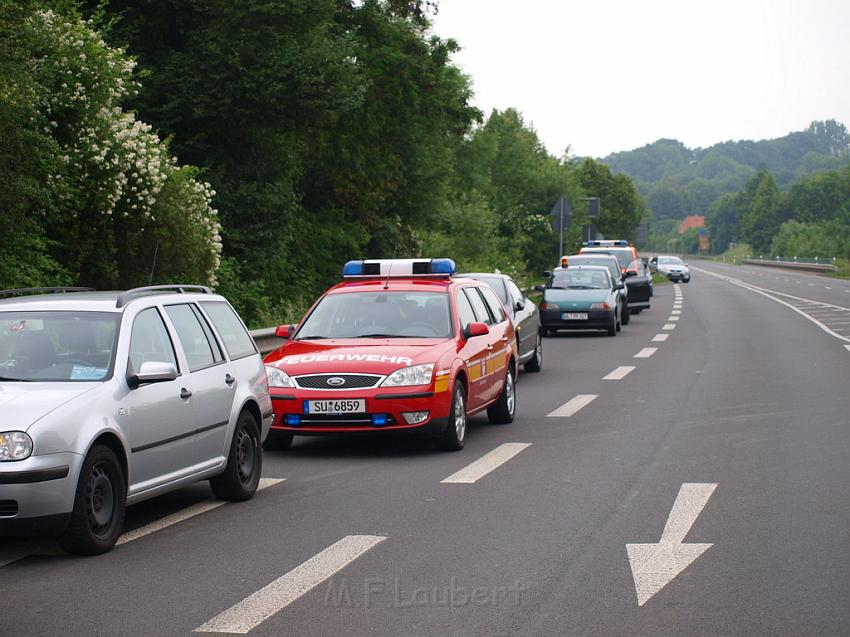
(374, 356)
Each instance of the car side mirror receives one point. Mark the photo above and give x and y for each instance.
(547, 273)
(619, 286)
(519, 307)
(476, 329)
(152, 372)
(629, 273)
(539, 288)
(284, 331)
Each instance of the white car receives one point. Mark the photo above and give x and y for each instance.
(673, 267)
(111, 398)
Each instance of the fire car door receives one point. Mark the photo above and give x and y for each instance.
(500, 342)
(474, 350)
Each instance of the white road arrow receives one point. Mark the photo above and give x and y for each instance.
(655, 565)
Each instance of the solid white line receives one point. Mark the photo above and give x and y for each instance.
(620, 373)
(474, 471)
(669, 326)
(764, 292)
(660, 338)
(257, 608)
(646, 352)
(184, 514)
(572, 406)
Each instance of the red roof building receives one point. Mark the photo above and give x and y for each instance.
(691, 221)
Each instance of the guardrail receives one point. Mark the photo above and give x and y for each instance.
(266, 340)
(805, 266)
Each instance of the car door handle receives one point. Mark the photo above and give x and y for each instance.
(504, 339)
(185, 393)
(489, 348)
(229, 379)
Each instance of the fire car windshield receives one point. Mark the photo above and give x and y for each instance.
(56, 346)
(379, 315)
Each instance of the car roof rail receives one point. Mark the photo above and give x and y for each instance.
(181, 288)
(50, 290)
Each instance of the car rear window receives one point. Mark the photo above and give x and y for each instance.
(624, 255)
(236, 338)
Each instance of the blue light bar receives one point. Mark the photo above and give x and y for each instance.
(353, 268)
(379, 420)
(387, 268)
(293, 420)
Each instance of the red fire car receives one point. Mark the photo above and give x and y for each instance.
(399, 345)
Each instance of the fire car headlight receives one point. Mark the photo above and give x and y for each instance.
(278, 377)
(416, 375)
(15, 445)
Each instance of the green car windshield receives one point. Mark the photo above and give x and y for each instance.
(57, 346)
(574, 279)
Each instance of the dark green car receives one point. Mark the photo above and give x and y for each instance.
(581, 297)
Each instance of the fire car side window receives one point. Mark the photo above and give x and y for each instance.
(464, 310)
(494, 304)
(482, 315)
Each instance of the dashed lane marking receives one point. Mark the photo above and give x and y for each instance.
(620, 373)
(646, 352)
(573, 405)
(474, 471)
(271, 599)
(660, 338)
(669, 326)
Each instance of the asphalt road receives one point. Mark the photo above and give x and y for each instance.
(741, 417)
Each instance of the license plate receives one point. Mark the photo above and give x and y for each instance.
(335, 406)
(574, 316)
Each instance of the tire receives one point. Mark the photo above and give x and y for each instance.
(535, 363)
(612, 329)
(99, 505)
(504, 410)
(454, 436)
(278, 441)
(636, 311)
(548, 332)
(625, 314)
(241, 476)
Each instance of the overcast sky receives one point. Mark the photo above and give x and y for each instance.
(608, 75)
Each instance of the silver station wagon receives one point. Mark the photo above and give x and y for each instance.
(110, 398)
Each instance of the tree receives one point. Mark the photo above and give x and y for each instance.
(108, 191)
(621, 205)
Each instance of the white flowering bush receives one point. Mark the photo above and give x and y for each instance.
(122, 198)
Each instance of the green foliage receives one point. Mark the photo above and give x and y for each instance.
(89, 190)
(621, 206)
(679, 181)
(824, 240)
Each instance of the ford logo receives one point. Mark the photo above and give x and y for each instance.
(335, 381)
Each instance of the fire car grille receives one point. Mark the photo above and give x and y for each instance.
(337, 382)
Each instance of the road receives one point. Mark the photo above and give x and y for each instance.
(720, 457)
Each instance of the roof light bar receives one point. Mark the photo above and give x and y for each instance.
(606, 243)
(387, 268)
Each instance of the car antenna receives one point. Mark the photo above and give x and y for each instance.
(153, 266)
(387, 279)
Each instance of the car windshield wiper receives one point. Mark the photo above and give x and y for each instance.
(311, 338)
(556, 287)
(385, 336)
(581, 287)
(22, 380)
